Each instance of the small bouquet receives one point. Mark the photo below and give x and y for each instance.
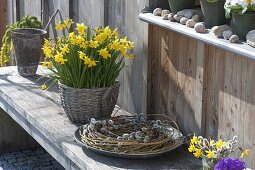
(239, 6)
(212, 151)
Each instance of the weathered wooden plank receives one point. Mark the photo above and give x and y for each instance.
(242, 49)
(230, 108)
(175, 77)
(92, 12)
(41, 115)
(33, 8)
(123, 15)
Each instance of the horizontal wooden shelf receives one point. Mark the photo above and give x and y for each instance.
(242, 48)
(40, 113)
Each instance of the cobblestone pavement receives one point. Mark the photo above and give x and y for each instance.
(37, 159)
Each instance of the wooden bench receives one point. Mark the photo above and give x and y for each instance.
(40, 113)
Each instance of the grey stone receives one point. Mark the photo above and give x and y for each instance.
(165, 17)
(177, 18)
(196, 18)
(171, 17)
(190, 23)
(250, 38)
(234, 39)
(183, 20)
(218, 30)
(227, 34)
(157, 12)
(19, 155)
(200, 27)
(165, 12)
(189, 13)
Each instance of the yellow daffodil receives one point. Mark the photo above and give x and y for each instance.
(81, 28)
(194, 140)
(219, 144)
(107, 31)
(47, 51)
(82, 55)
(68, 23)
(50, 64)
(59, 58)
(89, 62)
(123, 51)
(65, 49)
(198, 153)
(71, 35)
(245, 153)
(59, 27)
(104, 53)
(210, 154)
(44, 64)
(192, 148)
(115, 45)
(93, 44)
(43, 87)
(84, 44)
(101, 38)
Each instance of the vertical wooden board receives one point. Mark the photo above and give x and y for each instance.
(229, 98)
(213, 82)
(239, 103)
(31, 7)
(175, 78)
(123, 15)
(92, 12)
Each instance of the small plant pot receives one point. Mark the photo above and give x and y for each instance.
(81, 105)
(242, 24)
(214, 13)
(27, 44)
(178, 5)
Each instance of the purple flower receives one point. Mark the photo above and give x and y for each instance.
(230, 164)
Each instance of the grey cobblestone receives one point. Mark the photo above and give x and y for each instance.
(37, 159)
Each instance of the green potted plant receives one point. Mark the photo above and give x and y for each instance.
(86, 64)
(178, 5)
(212, 151)
(214, 12)
(25, 37)
(243, 16)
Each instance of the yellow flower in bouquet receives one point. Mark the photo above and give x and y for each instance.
(87, 57)
(214, 150)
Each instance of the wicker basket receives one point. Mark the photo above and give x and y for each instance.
(81, 105)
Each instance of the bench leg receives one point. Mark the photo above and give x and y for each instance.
(12, 136)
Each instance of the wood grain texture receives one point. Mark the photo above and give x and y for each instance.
(208, 90)
(31, 7)
(41, 115)
(230, 98)
(175, 78)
